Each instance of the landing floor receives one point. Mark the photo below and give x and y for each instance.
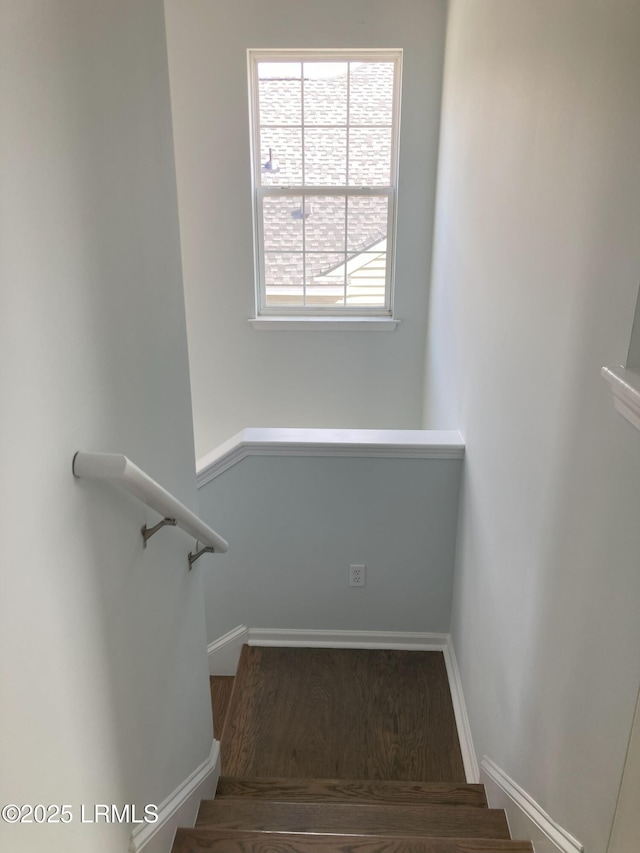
(341, 714)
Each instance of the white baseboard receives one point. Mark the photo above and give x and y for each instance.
(469, 759)
(526, 818)
(180, 808)
(224, 653)
(319, 639)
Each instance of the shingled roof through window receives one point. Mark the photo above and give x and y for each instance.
(324, 133)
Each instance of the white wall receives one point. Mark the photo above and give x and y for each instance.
(241, 377)
(535, 278)
(295, 525)
(103, 667)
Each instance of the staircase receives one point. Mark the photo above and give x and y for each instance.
(277, 814)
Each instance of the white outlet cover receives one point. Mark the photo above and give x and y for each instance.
(357, 575)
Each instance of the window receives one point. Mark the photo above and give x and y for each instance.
(324, 149)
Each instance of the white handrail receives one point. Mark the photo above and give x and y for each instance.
(121, 471)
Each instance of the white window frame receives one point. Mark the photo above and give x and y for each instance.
(259, 192)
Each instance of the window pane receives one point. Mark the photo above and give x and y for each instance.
(325, 157)
(325, 278)
(325, 223)
(370, 157)
(366, 279)
(281, 157)
(367, 218)
(283, 275)
(371, 93)
(324, 127)
(280, 102)
(325, 92)
(282, 223)
(279, 70)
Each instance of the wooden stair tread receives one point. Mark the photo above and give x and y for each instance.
(226, 841)
(352, 818)
(352, 791)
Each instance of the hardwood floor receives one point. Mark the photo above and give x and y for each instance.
(342, 714)
(341, 751)
(221, 689)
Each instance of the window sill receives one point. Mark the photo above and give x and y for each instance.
(625, 384)
(326, 324)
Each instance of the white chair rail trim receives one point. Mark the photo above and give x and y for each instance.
(122, 472)
(387, 443)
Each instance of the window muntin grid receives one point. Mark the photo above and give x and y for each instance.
(346, 199)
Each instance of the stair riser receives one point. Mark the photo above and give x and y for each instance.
(347, 791)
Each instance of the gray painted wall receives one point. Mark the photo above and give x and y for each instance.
(242, 377)
(295, 524)
(535, 279)
(104, 697)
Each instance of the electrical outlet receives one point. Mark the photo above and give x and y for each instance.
(357, 575)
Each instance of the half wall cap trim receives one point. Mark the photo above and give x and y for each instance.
(371, 443)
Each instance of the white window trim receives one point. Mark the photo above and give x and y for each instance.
(308, 317)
